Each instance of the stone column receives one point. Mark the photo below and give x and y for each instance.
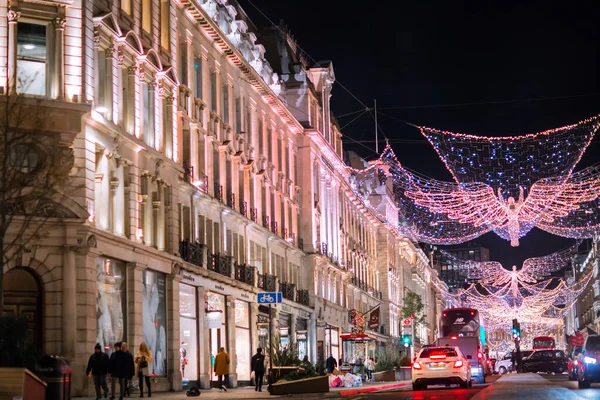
(312, 338)
(69, 304)
(174, 361)
(13, 17)
(253, 309)
(293, 318)
(204, 356)
(230, 339)
(135, 330)
(58, 76)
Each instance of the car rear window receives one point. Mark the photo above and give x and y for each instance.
(427, 353)
(592, 343)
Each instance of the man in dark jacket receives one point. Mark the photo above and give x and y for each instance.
(117, 369)
(98, 367)
(330, 364)
(130, 370)
(258, 366)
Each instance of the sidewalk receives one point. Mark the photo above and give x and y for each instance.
(247, 392)
(524, 386)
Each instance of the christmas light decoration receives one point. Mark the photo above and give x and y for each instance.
(527, 294)
(438, 212)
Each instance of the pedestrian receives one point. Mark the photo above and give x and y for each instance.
(117, 371)
(257, 365)
(143, 359)
(330, 363)
(129, 370)
(98, 368)
(368, 366)
(222, 368)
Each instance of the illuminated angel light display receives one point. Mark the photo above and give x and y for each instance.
(509, 197)
(528, 294)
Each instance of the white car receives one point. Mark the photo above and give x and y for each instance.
(439, 366)
(505, 365)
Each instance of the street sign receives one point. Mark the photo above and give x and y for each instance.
(406, 321)
(269, 298)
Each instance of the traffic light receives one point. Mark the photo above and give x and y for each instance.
(516, 329)
(406, 340)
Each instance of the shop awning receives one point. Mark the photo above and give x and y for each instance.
(356, 337)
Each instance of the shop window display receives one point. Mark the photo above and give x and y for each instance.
(110, 302)
(188, 350)
(216, 323)
(242, 339)
(154, 319)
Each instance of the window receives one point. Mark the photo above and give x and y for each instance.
(147, 15)
(154, 322)
(198, 77)
(183, 67)
(24, 158)
(167, 127)
(225, 101)
(165, 23)
(31, 59)
(261, 139)
(128, 100)
(148, 99)
(238, 115)
(126, 6)
(213, 91)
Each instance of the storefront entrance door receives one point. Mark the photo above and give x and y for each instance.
(23, 296)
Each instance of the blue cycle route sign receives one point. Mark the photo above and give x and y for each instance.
(269, 298)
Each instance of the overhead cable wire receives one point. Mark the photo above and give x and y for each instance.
(305, 53)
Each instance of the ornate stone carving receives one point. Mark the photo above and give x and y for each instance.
(141, 71)
(177, 268)
(13, 16)
(160, 89)
(59, 23)
(67, 157)
(51, 209)
(96, 38)
(120, 55)
(157, 166)
(92, 242)
(132, 70)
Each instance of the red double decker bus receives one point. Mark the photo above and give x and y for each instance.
(544, 343)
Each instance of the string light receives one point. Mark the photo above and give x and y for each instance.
(438, 212)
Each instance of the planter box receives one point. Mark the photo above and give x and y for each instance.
(319, 384)
(278, 373)
(404, 374)
(21, 383)
(386, 376)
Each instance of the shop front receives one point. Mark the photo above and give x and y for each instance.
(111, 302)
(302, 337)
(213, 315)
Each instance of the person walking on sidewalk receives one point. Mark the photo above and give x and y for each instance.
(129, 370)
(98, 367)
(117, 371)
(143, 359)
(330, 364)
(257, 365)
(222, 361)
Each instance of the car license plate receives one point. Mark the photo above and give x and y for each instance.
(437, 365)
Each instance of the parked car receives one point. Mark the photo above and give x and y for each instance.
(441, 365)
(588, 367)
(546, 361)
(505, 365)
(573, 362)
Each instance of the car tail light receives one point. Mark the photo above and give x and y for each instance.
(416, 365)
(438, 357)
(480, 355)
(458, 364)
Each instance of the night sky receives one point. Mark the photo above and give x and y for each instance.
(457, 66)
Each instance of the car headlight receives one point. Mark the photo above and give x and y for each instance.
(589, 360)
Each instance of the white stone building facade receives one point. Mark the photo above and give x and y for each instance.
(201, 178)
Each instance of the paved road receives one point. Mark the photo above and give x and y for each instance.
(563, 381)
(439, 392)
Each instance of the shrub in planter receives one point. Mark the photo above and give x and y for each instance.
(387, 359)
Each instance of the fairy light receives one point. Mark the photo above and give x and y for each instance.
(526, 294)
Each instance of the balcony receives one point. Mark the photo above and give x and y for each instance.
(244, 209)
(220, 264)
(218, 191)
(275, 228)
(202, 183)
(266, 221)
(231, 200)
(188, 173)
(192, 252)
(245, 273)
(266, 282)
(302, 297)
(254, 214)
(288, 290)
